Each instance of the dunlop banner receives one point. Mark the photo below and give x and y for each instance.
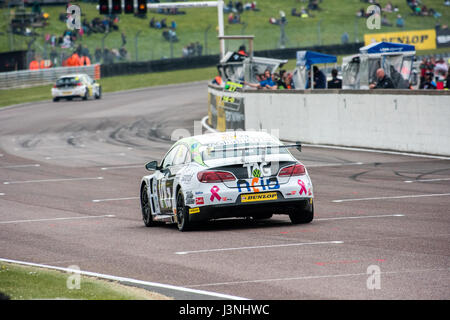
(421, 39)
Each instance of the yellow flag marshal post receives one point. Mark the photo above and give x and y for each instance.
(421, 39)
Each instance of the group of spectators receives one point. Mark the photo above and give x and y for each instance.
(273, 81)
(161, 24)
(434, 74)
(306, 11)
(235, 10)
(192, 49)
(239, 7)
(418, 9)
(168, 34)
(284, 80)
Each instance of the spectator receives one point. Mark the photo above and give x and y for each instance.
(384, 82)
(34, 64)
(320, 81)
(447, 3)
(385, 22)
(335, 82)
(241, 50)
(124, 39)
(85, 61)
(267, 81)
(314, 5)
(400, 23)
(98, 55)
(429, 82)
(389, 7)
(440, 69)
(447, 80)
(345, 38)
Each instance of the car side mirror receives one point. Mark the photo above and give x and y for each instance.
(152, 165)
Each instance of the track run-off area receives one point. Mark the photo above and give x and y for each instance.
(69, 195)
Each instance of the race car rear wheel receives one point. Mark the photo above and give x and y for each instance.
(145, 206)
(86, 94)
(303, 214)
(182, 213)
(98, 95)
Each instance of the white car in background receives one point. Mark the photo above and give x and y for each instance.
(76, 85)
(220, 175)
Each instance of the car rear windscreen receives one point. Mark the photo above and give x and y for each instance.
(67, 82)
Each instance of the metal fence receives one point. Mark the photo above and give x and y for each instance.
(29, 78)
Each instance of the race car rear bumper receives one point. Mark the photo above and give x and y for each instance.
(253, 209)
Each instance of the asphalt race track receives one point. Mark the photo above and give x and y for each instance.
(69, 188)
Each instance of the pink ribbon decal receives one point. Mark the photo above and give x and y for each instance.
(214, 193)
(303, 187)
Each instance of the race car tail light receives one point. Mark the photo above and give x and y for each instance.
(215, 176)
(79, 84)
(295, 170)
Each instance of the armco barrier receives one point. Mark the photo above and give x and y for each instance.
(28, 78)
(401, 120)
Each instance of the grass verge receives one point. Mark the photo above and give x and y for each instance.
(25, 283)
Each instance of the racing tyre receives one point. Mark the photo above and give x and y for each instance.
(145, 206)
(99, 94)
(305, 214)
(86, 95)
(55, 99)
(183, 223)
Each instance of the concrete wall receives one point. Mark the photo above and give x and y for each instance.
(393, 120)
(400, 120)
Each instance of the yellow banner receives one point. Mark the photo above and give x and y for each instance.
(421, 39)
(258, 197)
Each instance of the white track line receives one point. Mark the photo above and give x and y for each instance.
(122, 154)
(395, 197)
(115, 199)
(57, 219)
(260, 247)
(333, 164)
(426, 180)
(128, 280)
(123, 167)
(313, 277)
(210, 129)
(53, 180)
(2, 194)
(360, 217)
(20, 166)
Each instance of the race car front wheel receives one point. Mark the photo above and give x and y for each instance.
(182, 213)
(145, 206)
(303, 213)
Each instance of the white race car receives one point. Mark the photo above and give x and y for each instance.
(76, 85)
(232, 174)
